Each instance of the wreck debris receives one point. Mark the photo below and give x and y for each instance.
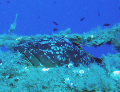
(92, 39)
(13, 26)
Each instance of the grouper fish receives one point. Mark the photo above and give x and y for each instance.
(54, 52)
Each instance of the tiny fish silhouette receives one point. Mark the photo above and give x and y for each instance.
(119, 6)
(38, 17)
(55, 23)
(82, 19)
(107, 24)
(54, 2)
(8, 1)
(98, 13)
(55, 29)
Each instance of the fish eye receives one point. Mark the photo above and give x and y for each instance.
(36, 45)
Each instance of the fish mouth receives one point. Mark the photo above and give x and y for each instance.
(36, 58)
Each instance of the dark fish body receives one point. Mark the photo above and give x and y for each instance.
(82, 19)
(38, 17)
(52, 52)
(54, 2)
(55, 23)
(55, 29)
(106, 24)
(98, 13)
(119, 6)
(8, 1)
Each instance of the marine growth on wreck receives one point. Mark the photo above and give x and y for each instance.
(62, 54)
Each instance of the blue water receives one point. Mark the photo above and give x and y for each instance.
(37, 16)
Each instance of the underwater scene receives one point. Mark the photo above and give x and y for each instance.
(60, 46)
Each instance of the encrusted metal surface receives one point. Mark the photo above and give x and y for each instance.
(51, 52)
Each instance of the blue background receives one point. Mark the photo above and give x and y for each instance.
(37, 16)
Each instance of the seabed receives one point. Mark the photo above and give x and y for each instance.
(17, 76)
